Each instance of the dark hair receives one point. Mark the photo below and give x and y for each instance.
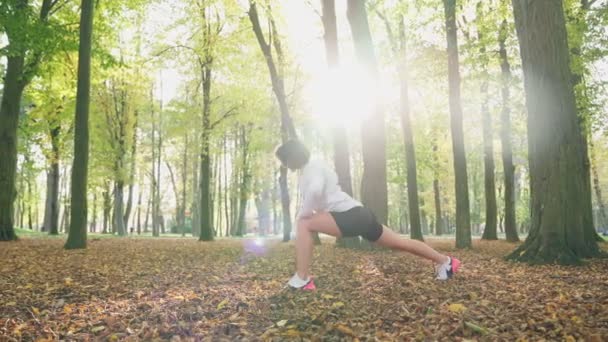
(293, 154)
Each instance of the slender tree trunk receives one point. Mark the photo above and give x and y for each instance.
(160, 225)
(139, 210)
(131, 173)
(119, 223)
(408, 137)
(53, 188)
(287, 127)
(147, 218)
(107, 207)
(206, 231)
(245, 182)
(439, 224)
(602, 212)
(489, 232)
(77, 237)
(558, 192)
(93, 225)
(153, 186)
(463, 219)
(374, 191)
(182, 209)
(195, 207)
(505, 137)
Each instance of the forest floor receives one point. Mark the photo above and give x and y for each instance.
(182, 289)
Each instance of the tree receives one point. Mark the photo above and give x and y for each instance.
(510, 223)
(77, 237)
(489, 232)
(374, 192)
(31, 37)
(463, 221)
(399, 47)
(340, 142)
(557, 182)
(287, 127)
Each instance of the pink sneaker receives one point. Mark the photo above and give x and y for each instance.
(447, 270)
(310, 286)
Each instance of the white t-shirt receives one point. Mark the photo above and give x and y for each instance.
(320, 191)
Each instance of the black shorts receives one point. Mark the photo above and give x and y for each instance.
(358, 221)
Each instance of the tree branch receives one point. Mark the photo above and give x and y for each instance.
(231, 112)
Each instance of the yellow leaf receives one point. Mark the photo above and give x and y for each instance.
(570, 338)
(68, 281)
(457, 307)
(67, 309)
(222, 304)
(327, 296)
(337, 305)
(98, 329)
(35, 311)
(344, 329)
(10, 304)
(576, 319)
(292, 333)
(281, 323)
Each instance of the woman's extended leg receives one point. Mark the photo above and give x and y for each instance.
(320, 222)
(392, 240)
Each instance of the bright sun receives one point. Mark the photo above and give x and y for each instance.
(342, 96)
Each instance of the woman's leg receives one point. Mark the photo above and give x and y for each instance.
(392, 240)
(321, 223)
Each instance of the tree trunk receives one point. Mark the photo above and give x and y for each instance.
(245, 182)
(408, 137)
(119, 223)
(489, 232)
(287, 128)
(374, 192)
(77, 237)
(139, 210)
(558, 193)
(52, 201)
(505, 137)
(602, 213)
(153, 187)
(9, 119)
(93, 225)
(206, 231)
(463, 219)
(439, 223)
(131, 174)
(107, 207)
(340, 142)
(182, 211)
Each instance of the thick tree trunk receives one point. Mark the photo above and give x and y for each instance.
(287, 128)
(9, 119)
(558, 192)
(463, 219)
(374, 192)
(505, 137)
(77, 237)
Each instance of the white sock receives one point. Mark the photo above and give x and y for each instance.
(297, 282)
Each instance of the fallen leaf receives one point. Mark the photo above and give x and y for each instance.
(457, 308)
(222, 304)
(344, 329)
(281, 323)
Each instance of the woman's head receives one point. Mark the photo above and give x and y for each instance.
(293, 154)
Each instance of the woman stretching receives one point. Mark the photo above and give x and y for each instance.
(325, 208)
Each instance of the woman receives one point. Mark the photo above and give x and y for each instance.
(325, 208)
